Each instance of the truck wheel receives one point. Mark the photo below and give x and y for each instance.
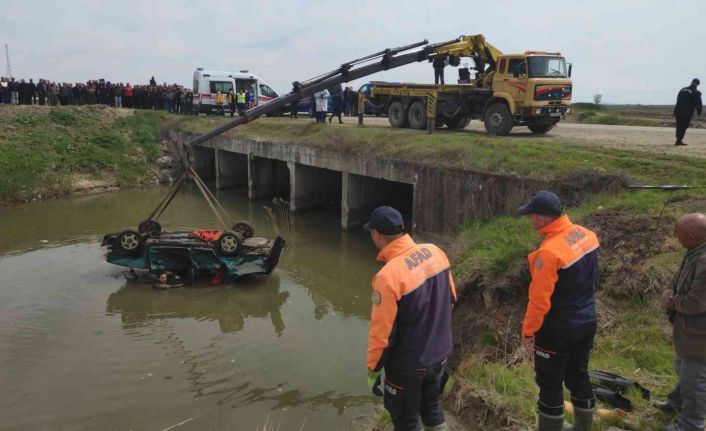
(498, 120)
(540, 129)
(458, 121)
(418, 116)
(397, 115)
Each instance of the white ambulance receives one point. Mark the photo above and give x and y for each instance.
(207, 83)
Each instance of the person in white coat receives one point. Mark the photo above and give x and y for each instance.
(321, 99)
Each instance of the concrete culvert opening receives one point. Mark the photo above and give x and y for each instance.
(232, 170)
(204, 162)
(268, 179)
(363, 194)
(315, 188)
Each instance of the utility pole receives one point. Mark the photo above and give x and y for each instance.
(7, 59)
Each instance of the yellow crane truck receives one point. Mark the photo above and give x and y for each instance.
(531, 89)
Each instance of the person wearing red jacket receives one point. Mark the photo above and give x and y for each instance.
(410, 324)
(560, 321)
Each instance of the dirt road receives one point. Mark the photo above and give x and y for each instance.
(654, 139)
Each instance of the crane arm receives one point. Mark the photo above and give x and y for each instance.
(469, 46)
(390, 58)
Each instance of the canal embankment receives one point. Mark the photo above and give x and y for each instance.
(56, 151)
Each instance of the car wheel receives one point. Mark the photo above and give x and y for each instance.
(229, 244)
(244, 229)
(129, 241)
(149, 228)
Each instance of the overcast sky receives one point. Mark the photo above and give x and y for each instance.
(629, 51)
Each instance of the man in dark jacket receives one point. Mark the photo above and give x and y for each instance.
(439, 64)
(686, 304)
(410, 324)
(688, 101)
(560, 321)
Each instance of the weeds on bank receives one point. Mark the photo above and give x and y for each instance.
(41, 148)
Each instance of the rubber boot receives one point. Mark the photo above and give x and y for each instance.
(440, 427)
(583, 419)
(550, 423)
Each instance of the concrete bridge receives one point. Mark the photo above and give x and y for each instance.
(431, 199)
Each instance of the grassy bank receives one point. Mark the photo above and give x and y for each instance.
(46, 151)
(523, 156)
(637, 260)
(627, 115)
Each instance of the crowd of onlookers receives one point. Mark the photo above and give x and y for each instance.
(172, 98)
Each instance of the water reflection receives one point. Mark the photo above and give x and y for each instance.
(138, 303)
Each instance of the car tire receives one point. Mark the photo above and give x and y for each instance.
(244, 229)
(397, 115)
(129, 241)
(417, 116)
(149, 228)
(229, 244)
(498, 119)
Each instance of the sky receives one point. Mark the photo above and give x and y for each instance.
(639, 52)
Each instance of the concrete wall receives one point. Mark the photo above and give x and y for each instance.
(436, 200)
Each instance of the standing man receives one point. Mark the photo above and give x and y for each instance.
(231, 102)
(439, 64)
(321, 100)
(560, 321)
(686, 304)
(688, 101)
(241, 102)
(410, 325)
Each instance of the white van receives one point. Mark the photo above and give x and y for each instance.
(207, 83)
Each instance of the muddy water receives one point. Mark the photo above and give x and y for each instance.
(82, 348)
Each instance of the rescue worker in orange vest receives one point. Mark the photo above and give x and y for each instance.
(220, 101)
(560, 322)
(410, 325)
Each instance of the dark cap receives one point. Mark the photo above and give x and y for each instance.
(542, 203)
(696, 81)
(386, 220)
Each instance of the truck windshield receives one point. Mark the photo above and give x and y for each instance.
(554, 67)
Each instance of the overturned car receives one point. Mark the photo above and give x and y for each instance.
(179, 256)
(222, 256)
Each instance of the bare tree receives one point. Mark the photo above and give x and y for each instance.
(597, 99)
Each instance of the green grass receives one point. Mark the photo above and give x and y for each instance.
(617, 120)
(41, 149)
(536, 157)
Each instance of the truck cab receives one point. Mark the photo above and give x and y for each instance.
(536, 87)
